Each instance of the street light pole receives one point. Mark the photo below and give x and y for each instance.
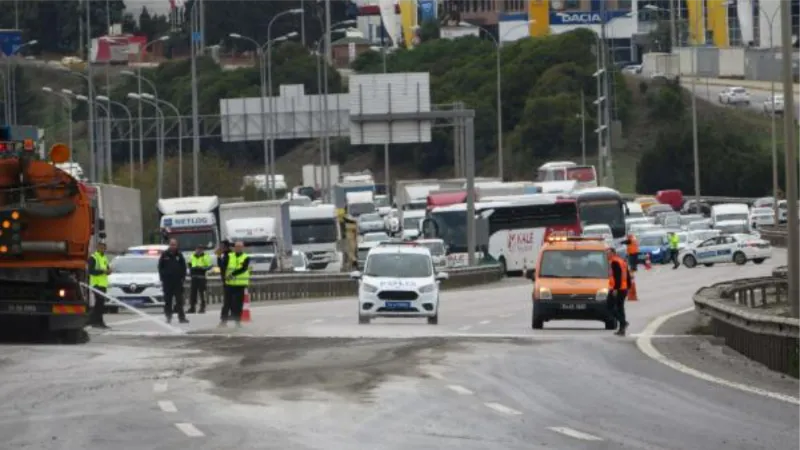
(774, 132)
(160, 144)
(90, 93)
(180, 136)
(583, 129)
(695, 145)
(790, 149)
(152, 85)
(68, 104)
(103, 98)
(194, 20)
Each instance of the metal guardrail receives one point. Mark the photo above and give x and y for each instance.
(311, 285)
(736, 309)
(776, 235)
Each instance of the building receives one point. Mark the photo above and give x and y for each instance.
(348, 48)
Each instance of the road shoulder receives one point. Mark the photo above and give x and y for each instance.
(683, 341)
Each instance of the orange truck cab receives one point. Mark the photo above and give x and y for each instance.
(571, 282)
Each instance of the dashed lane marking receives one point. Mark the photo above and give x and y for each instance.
(502, 409)
(434, 374)
(465, 328)
(575, 433)
(189, 430)
(645, 344)
(459, 389)
(316, 321)
(167, 406)
(484, 322)
(160, 387)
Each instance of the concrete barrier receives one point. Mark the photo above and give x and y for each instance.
(311, 285)
(750, 315)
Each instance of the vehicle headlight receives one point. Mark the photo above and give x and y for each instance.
(427, 289)
(545, 294)
(602, 294)
(368, 288)
(658, 250)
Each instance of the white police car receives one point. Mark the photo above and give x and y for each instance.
(134, 280)
(399, 280)
(736, 248)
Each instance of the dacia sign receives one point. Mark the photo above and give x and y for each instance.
(584, 18)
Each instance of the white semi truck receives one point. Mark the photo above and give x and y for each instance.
(316, 232)
(192, 221)
(119, 216)
(280, 234)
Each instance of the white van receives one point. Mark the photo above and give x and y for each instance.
(731, 217)
(635, 210)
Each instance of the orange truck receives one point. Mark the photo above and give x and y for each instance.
(46, 224)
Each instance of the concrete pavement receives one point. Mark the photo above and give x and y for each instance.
(307, 376)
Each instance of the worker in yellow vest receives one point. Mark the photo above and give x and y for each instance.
(198, 266)
(237, 279)
(98, 279)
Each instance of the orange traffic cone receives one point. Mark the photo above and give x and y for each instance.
(246, 307)
(632, 294)
(647, 264)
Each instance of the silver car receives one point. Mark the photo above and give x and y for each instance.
(370, 222)
(438, 252)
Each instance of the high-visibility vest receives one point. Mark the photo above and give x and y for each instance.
(623, 266)
(234, 263)
(200, 261)
(674, 242)
(100, 263)
(633, 245)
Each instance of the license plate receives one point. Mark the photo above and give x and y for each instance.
(398, 305)
(18, 308)
(573, 306)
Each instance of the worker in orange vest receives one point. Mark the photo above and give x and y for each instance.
(619, 279)
(633, 252)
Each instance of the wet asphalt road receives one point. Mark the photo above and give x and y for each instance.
(307, 376)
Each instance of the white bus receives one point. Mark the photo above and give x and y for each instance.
(315, 232)
(585, 176)
(516, 229)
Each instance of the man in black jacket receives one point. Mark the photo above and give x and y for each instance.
(172, 272)
(223, 256)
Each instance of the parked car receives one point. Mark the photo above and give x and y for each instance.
(774, 104)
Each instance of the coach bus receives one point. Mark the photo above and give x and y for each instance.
(605, 206)
(584, 176)
(511, 232)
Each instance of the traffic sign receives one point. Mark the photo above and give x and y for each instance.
(197, 36)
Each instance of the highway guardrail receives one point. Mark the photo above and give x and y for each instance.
(747, 315)
(321, 285)
(776, 236)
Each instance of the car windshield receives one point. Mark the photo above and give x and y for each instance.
(703, 235)
(398, 265)
(259, 247)
(411, 223)
(738, 90)
(370, 218)
(381, 201)
(357, 209)
(362, 253)
(189, 240)
(573, 264)
(731, 216)
(652, 241)
(436, 248)
(134, 265)
(764, 211)
(375, 237)
(261, 259)
(297, 261)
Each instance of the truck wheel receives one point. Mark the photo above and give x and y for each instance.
(363, 320)
(709, 264)
(537, 323)
(433, 320)
(503, 266)
(739, 258)
(73, 337)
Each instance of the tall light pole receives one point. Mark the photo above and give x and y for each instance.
(103, 98)
(329, 60)
(695, 145)
(790, 149)
(770, 20)
(139, 78)
(152, 85)
(583, 128)
(262, 69)
(90, 93)
(160, 145)
(68, 104)
(11, 84)
(91, 103)
(155, 99)
(271, 176)
(195, 40)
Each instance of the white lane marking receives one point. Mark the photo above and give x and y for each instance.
(645, 344)
(459, 389)
(484, 322)
(575, 433)
(316, 321)
(160, 387)
(505, 316)
(502, 409)
(128, 321)
(189, 430)
(465, 328)
(167, 406)
(435, 375)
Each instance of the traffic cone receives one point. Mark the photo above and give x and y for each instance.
(246, 307)
(632, 294)
(647, 264)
